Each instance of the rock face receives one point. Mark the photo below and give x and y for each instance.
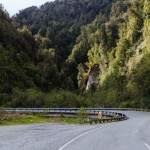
(93, 78)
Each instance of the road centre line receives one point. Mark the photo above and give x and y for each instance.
(74, 139)
(147, 145)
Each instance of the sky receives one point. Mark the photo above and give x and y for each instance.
(13, 6)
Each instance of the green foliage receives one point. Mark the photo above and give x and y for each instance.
(17, 119)
(70, 38)
(117, 45)
(29, 98)
(34, 98)
(141, 81)
(81, 115)
(60, 21)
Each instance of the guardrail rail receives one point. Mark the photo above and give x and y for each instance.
(109, 112)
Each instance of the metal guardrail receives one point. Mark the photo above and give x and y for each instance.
(49, 110)
(102, 120)
(60, 111)
(114, 116)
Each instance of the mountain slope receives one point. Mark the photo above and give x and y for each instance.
(120, 49)
(22, 58)
(60, 21)
(102, 46)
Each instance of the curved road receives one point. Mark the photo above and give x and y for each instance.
(131, 134)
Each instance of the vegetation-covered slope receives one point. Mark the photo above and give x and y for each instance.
(60, 21)
(25, 61)
(108, 50)
(120, 47)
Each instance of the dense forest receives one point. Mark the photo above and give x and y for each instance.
(73, 53)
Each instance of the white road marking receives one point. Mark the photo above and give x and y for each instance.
(74, 139)
(147, 145)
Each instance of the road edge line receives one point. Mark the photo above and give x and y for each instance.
(74, 139)
(147, 145)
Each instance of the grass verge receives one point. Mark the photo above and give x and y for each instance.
(18, 119)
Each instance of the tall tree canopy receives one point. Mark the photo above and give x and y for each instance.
(64, 48)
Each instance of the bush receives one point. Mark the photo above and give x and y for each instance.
(81, 115)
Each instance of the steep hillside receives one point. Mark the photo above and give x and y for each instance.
(99, 49)
(25, 61)
(120, 49)
(60, 21)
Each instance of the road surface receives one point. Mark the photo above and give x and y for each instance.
(131, 134)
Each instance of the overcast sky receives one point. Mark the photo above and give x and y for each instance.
(13, 6)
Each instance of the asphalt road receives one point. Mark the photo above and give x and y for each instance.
(132, 134)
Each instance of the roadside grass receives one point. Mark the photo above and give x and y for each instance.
(18, 119)
(72, 121)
